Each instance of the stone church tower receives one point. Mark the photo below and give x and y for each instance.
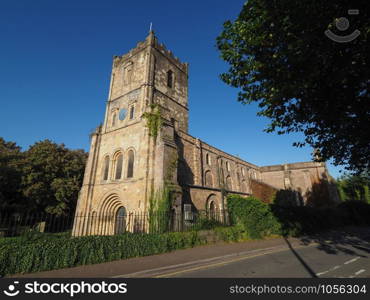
(126, 162)
(144, 145)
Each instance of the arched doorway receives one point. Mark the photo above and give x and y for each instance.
(211, 207)
(212, 210)
(120, 220)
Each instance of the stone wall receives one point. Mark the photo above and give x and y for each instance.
(300, 177)
(263, 191)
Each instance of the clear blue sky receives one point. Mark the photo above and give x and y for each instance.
(55, 64)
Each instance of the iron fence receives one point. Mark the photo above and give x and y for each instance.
(17, 224)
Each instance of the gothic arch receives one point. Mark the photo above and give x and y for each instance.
(117, 165)
(130, 162)
(212, 206)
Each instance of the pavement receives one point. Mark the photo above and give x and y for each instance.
(339, 253)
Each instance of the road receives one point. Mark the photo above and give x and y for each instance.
(335, 255)
(302, 261)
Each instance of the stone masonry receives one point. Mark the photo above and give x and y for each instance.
(126, 164)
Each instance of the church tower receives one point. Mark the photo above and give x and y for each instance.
(133, 153)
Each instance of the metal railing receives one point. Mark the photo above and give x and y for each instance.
(17, 224)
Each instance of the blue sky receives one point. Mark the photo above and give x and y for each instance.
(55, 64)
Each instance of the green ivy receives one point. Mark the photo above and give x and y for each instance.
(153, 120)
(159, 210)
(255, 216)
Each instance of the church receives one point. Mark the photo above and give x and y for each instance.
(143, 145)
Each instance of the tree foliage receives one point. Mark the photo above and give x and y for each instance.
(304, 82)
(10, 174)
(45, 178)
(352, 187)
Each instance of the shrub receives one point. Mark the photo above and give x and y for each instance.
(231, 234)
(46, 252)
(255, 216)
(357, 212)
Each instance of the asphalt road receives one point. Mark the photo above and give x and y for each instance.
(338, 256)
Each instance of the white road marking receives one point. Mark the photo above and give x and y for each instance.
(135, 274)
(359, 272)
(332, 269)
(352, 260)
(238, 257)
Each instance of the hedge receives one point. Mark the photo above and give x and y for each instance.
(260, 219)
(42, 252)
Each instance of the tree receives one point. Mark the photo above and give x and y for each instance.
(354, 187)
(11, 160)
(52, 177)
(304, 82)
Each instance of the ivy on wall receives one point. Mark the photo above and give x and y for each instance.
(172, 167)
(159, 209)
(153, 120)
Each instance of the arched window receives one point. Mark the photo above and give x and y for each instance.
(120, 220)
(208, 179)
(118, 164)
(170, 79)
(114, 117)
(132, 111)
(106, 168)
(130, 164)
(208, 159)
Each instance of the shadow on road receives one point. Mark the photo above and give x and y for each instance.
(346, 241)
(351, 241)
(304, 264)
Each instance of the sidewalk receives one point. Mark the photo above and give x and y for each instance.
(140, 264)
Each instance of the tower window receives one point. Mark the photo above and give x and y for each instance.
(106, 168)
(170, 79)
(132, 111)
(119, 163)
(130, 165)
(208, 159)
(127, 73)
